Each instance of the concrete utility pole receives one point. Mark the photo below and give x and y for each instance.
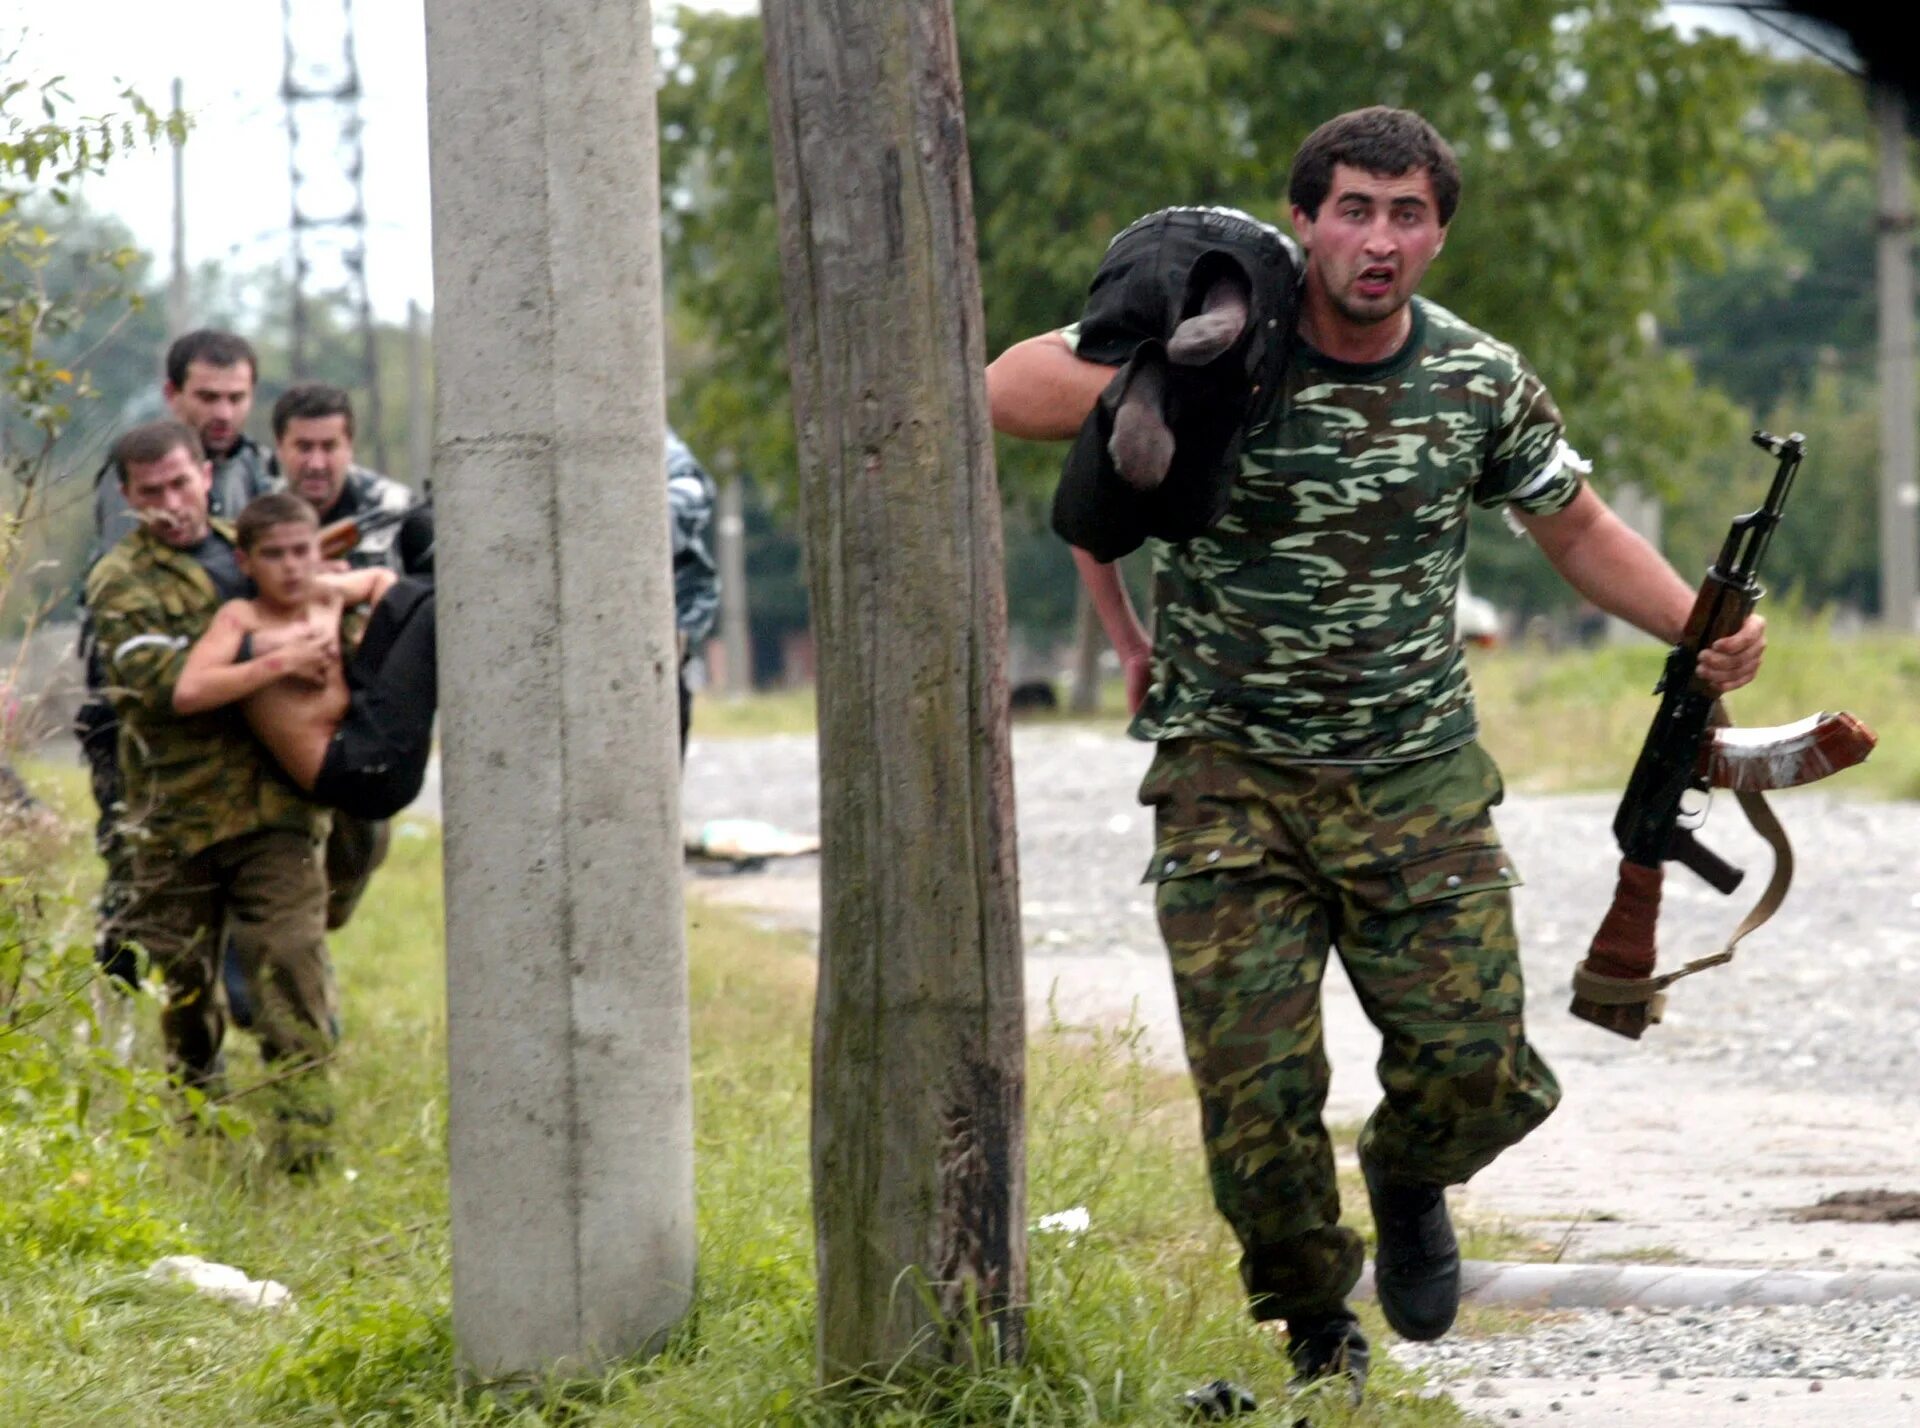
(419, 419)
(1899, 463)
(919, 1156)
(179, 299)
(736, 632)
(570, 1129)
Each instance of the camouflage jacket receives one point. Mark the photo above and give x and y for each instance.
(190, 781)
(1315, 621)
(696, 578)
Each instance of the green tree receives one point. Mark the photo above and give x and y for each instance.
(1601, 149)
(69, 285)
(1797, 300)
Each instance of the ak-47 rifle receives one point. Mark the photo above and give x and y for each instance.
(339, 539)
(1691, 749)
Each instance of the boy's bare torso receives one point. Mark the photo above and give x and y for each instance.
(296, 718)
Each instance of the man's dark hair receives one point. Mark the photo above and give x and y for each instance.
(216, 349)
(1381, 141)
(263, 513)
(309, 400)
(154, 441)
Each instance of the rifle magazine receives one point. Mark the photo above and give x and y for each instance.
(1786, 756)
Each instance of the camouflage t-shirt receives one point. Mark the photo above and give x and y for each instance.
(1315, 621)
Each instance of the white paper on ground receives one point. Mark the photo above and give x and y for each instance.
(221, 1281)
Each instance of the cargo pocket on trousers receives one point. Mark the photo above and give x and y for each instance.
(1449, 873)
(1187, 855)
(1433, 948)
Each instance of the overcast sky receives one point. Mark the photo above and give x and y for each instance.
(230, 60)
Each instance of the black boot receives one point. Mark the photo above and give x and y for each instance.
(1327, 1348)
(1416, 1259)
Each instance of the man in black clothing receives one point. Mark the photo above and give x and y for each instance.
(313, 454)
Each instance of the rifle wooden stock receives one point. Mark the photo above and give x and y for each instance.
(1623, 951)
(338, 539)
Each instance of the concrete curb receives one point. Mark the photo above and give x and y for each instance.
(1645, 1286)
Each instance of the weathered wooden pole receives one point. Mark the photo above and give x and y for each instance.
(919, 1160)
(570, 1134)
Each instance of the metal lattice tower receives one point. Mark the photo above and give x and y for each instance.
(320, 87)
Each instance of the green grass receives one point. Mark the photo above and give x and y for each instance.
(1142, 1306)
(791, 711)
(1576, 720)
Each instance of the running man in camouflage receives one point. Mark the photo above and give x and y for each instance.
(1317, 783)
(218, 840)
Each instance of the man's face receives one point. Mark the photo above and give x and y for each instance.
(283, 562)
(214, 401)
(315, 453)
(171, 497)
(1373, 241)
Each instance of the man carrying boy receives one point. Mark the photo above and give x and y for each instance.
(217, 838)
(208, 386)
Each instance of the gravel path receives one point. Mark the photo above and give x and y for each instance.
(1824, 999)
(1792, 1074)
(1831, 1341)
(1787, 1076)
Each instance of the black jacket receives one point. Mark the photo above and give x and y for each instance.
(1154, 276)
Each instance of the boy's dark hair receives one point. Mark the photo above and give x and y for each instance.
(154, 441)
(308, 400)
(215, 348)
(1382, 141)
(263, 513)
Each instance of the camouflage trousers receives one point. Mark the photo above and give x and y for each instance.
(267, 891)
(1261, 870)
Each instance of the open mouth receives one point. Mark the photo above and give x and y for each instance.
(1375, 282)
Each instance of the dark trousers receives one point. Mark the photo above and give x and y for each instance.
(99, 734)
(378, 758)
(355, 847)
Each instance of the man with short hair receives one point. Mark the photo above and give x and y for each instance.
(208, 385)
(216, 838)
(696, 576)
(313, 454)
(1316, 783)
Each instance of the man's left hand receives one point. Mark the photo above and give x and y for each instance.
(1727, 664)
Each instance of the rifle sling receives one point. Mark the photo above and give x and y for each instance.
(1629, 991)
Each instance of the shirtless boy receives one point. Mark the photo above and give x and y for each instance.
(357, 736)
